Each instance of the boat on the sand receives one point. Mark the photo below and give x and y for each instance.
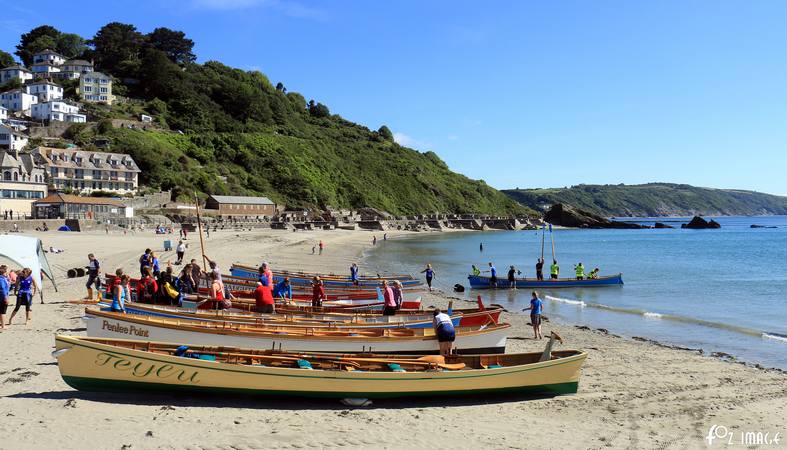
(484, 339)
(129, 366)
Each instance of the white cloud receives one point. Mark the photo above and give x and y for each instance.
(288, 8)
(408, 141)
(453, 137)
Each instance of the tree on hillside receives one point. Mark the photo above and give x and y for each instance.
(385, 133)
(173, 43)
(37, 39)
(318, 109)
(70, 45)
(115, 44)
(6, 59)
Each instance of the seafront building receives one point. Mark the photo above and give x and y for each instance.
(87, 171)
(65, 206)
(231, 205)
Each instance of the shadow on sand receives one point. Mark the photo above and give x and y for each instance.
(261, 402)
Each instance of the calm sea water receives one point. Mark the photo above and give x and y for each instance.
(720, 290)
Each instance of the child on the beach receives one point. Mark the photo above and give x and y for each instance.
(535, 315)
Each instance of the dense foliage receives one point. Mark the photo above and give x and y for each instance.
(228, 131)
(653, 199)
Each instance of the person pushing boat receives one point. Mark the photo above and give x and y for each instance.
(492, 276)
(354, 274)
(512, 277)
(389, 300)
(444, 329)
(540, 269)
(283, 290)
(263, 300)
(318, 292)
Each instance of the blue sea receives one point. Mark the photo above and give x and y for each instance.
(721, 290)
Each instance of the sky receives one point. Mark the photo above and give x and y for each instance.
(517, 93)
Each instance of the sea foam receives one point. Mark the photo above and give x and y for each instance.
(567, 301)
(775, 336)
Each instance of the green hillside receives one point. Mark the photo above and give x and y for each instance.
(228, 131)
(653, 199)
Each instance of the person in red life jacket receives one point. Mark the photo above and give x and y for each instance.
(147, 288)
(263, 298)
(389, 304)
(217, 293)
(318, 292)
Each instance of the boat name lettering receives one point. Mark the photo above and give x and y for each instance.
(118, 328)
(142, 369)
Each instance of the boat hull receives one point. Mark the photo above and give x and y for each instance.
(330, 283)
(102, 324)
(93, 366)
(482, 282)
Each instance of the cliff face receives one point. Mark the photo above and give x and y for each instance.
(653, 200)
(567, 216)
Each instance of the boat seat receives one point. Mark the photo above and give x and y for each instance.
(303, 364)
(396, 367)
(494, 366)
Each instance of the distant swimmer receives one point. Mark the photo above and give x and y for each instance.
(540, 269)
(481, 247)
(579, 269)
(554, 270)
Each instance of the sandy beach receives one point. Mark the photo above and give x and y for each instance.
(633, 394)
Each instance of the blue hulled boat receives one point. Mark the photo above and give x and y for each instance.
(482, 282)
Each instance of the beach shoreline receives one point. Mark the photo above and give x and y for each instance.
(632, 393)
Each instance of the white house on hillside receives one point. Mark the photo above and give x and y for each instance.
(45, 90)
(11, 139)
(57, 110)
(12, 72)
(3, 113)
(74, 68)
(44, 69)
(49, 56)
(18, 100)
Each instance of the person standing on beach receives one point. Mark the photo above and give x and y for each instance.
(540, 269)
(318, 292)
(5, 290)
(27, 288)
(481, 247)
(397, 291)
(374, 240)
(492, 276)
(119, 295)
(512, 278)
(263, 300)
(144, 261)
(93, 278)
(444, 329)
(385, 236)
(429, 275)
(354, 274)
(181, 251)
(554, 270)
(321, 245)
(535, 315)
(389, 301)
(314, 249)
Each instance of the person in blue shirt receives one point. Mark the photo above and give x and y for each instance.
(283, 290)
(144, 261)
(429, 275)
(492, 276)
(354, 274)
(535, 314)
(5, 288)
(24, 296)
